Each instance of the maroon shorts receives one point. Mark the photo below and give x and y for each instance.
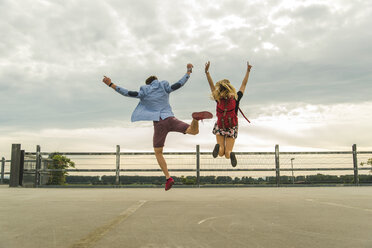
(163, 127)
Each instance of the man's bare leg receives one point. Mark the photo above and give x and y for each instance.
(193, 129)
(161, 161)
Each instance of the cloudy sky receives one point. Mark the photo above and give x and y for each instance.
(309, 89)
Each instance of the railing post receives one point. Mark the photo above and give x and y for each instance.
(43, 167)
(2, 169)
(277, 167)
(355, 162)
(21, 167)
(37, 167)
(117, 180)
(15, 165)
(198, 165)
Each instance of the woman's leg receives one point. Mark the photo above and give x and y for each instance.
(221, 141)
(229, 146)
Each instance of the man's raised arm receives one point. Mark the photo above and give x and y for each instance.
(119, 89)
(180, 82)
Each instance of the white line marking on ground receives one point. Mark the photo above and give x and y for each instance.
(210, 218)
(340, 205)
(94, 236)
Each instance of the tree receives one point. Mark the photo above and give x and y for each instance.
(189, 180)
(207, 179)
(237, 180)
(223, 180)
(369, 162)
(61, 163)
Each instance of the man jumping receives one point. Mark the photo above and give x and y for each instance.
(154, 106)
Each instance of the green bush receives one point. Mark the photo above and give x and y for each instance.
(369, 162)
(59, 162)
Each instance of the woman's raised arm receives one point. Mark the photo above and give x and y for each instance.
(209, 78)
(245, 80)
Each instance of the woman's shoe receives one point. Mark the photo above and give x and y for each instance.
(216, 150)
(233, 159)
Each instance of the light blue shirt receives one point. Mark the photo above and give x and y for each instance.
(154, 99)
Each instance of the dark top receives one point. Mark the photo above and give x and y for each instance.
(240, 95)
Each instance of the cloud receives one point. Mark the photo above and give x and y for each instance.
(300, 127)
(54, 54)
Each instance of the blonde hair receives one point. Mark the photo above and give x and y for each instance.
(224, 89)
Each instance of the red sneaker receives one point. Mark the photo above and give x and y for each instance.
(169, 184)
(202, 115)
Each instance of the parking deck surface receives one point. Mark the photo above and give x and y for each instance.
(186, 217)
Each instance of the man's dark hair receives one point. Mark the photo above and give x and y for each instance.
(150, 79)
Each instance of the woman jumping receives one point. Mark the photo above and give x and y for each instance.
(226, 127)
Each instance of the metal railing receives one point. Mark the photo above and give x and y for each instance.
(201, 162)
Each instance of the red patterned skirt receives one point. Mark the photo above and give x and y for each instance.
(229, 132)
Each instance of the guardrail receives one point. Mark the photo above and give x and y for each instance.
(272, 161)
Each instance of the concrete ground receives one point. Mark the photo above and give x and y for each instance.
(186, 217)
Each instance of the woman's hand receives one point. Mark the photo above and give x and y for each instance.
(209, 78)
(207, 66)
(248, 67)
(245, 80)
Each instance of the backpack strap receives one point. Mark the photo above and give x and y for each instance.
(225, 110)
(224, 114)
(244, 115)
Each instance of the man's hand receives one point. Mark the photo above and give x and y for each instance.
(189, 68)
(106, 80)
(248, 67)
(207, 66)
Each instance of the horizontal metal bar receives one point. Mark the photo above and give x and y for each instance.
(298, 153)
(32, 172)
(147, 170)
(183, 170)
(73, 153)
(237, 169)
(192, 170)
(243, 153)
(29, 172)
(110, 170)
(111, 153)
(80, 170)
(152, 153)
(315, 169)
(193, 153)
